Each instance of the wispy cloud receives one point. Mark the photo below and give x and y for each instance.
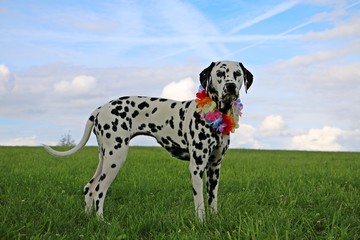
(189, 27)
(282, 7)
(304, 61)
(342, 30)
(322, 16)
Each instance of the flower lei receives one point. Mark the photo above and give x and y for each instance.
(223, 123)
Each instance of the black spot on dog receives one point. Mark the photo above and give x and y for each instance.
(154, 110)
(223, 151)
(199, 145)
(115, 102)
(192, 133)
(100, 195)
(103, 151)
(106, 126)
(86, 190)
(217, 173)
(97, 205)
(102, 177)
(173, 105)
(135, 113)
(165, 141)
(202, 135)
(201, 174)
(119, 141)
(108, 135)
(143, 105)
(197, 158)
(113, 165)
(182, 114)
(124, 126)
(170, 122)
(118, 108)
(142, 126)
(152, 127)
(122, 115)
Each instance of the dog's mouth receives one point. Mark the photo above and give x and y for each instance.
(229, 98)
(225, 102)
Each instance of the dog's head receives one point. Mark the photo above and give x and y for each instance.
(222, 81)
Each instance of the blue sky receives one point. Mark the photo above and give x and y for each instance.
(59, 60)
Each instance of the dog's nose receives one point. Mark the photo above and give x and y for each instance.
(230, 87)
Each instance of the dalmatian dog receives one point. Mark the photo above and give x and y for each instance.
(174, 124)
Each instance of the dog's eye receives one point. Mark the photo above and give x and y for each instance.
(220, 74)
(237, 74)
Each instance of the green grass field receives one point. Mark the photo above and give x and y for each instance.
(262, 195)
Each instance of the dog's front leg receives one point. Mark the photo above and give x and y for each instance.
(197, 171)
(212, 184)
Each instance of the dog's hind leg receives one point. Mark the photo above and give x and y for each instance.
(112, 162)
(89, 188)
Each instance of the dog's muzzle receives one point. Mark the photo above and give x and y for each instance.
(230, 93)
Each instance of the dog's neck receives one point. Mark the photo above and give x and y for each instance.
(222, 121)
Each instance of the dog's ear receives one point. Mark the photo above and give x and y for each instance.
(248, 77)
(205, 75)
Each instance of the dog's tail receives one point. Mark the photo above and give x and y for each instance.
(78, 147)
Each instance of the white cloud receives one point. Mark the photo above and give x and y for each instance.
(272, 124)
(317, 58)
(7, 81)
(20, 141)
(343, 29)
(80, 85)
(180, 90)
(245, 137)
(324, 139)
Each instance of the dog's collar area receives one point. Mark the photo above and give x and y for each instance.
(222, 122)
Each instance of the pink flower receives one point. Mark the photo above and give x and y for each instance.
(213, 116)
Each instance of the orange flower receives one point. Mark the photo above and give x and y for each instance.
(202, 99)
(228, 120)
